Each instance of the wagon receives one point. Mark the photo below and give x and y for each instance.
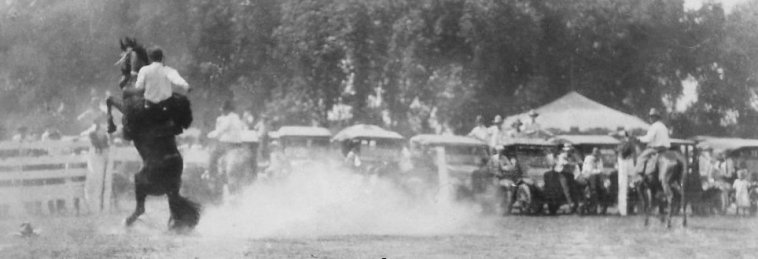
(462, 155)
(379, 150)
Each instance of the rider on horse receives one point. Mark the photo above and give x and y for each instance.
(162, 89)
(657, 140)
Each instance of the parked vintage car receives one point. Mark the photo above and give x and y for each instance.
(370, 149)
(303, 145)
(520, 188)
(463, 156)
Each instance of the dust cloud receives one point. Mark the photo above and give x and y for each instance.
(320, 202)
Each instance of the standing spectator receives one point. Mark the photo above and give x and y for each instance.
(263, 127)
(22, 134)
(625, 165)
(97, 185)
(722, 173)
(494, 132)
(705, 164)
(248, 119)
(532, 128)
(228, 133)
(742, 192)
(515, 130)
(94, 113)
(593, 164)
(480, 130)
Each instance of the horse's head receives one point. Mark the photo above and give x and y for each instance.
(133, 57)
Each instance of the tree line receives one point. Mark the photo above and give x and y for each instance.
(410, 65)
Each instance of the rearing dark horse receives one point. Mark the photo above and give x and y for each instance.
(669, 177)
(153, 135)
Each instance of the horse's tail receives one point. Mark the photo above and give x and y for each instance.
(184, 212)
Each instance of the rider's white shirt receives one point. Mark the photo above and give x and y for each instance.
(657, 136)
(158, 81)
(228, 128)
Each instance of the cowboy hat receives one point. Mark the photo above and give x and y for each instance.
(497, 119)
(517, 122)
(567, 147)
(533, 113)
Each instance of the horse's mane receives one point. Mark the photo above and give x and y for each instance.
(138, 49)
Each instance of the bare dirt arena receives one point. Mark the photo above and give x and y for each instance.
(326, 222)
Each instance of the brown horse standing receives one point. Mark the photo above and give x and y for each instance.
(668, 177)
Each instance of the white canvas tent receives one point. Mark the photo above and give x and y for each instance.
(575, 110)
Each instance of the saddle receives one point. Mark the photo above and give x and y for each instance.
(651, 165)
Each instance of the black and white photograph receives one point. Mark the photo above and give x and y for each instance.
(378, 129)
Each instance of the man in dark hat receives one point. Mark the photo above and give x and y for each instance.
(657, 140)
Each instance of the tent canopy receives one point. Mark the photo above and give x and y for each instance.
(575, 110)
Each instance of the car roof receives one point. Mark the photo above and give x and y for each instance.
(365, 131)
(719, 143)
(587, 139)
(528, 142)
(430, 139)
(303, 131)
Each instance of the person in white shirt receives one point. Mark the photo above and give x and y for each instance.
(480, 131)
(657, 140)
(228, 133)
(494, 132)
(532, 128)
(158, 80)
(593, 164)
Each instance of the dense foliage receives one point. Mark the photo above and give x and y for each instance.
(412, 65)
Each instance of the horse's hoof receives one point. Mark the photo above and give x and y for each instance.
(129, 221)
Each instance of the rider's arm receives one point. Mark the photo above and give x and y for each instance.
(651, 132)
(176, 79)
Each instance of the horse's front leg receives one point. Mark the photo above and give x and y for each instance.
(667, 190)
(111, 102)
(140, 196)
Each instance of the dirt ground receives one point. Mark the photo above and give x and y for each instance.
(566, 236)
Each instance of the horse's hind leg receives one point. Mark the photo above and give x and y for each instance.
(647, 203)
(185, 214)
(140, 196)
